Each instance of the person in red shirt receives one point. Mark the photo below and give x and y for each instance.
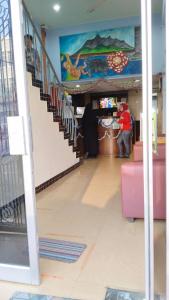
(125, 130)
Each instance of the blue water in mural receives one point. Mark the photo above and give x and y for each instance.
(96, 67)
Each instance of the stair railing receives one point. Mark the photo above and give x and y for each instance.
(45, 76)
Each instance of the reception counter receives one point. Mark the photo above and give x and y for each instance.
(108, 130)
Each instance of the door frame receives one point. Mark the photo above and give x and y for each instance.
(24, 274)
(31, 274)
(166, 87)
(146, 26)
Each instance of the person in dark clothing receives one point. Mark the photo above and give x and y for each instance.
(89, 125)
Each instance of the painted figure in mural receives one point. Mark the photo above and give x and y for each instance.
(89, 125)
(125, 130)
(74, 71)
(32, 55)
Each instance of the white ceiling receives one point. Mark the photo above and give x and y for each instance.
(105, 85)
(76, 12)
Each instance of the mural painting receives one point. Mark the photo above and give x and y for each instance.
(101, 54)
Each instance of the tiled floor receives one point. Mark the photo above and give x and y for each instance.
(28, 296)
(85, 207)
(19, 245)
(124, 295)
(110, 295)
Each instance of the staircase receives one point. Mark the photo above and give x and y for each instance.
(51, 90)
(65, 117)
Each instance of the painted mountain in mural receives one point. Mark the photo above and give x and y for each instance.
(102, 45)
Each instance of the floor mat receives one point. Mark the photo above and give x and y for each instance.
(125, 295)
(64, 251)
(28, 296)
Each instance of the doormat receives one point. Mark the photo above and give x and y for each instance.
(28, 296)
(64, 251)
(125, 295)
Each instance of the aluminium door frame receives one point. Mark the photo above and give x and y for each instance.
(24, 274)
(146, 25)
(166, 13)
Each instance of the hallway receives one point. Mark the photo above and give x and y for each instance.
(84, 207)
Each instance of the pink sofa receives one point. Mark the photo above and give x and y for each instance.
(138, 152)
(132, 193)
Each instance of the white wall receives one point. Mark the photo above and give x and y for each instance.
(53, 47)
(135, 106)
(135, 103)
(52, 154)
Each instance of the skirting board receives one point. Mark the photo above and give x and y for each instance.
(44, 185)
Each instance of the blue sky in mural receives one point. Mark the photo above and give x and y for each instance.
(72, 43)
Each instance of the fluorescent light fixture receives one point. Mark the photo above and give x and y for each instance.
(78, 85)
(56, 7)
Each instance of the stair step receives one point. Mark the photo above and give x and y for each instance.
(77, 154)
(37, 83)
(56, 115)
(66, 135)
(56, 119)
(31, 69)
(75, 149)
(51, 108)
(45, 97)
(61, 127)
(71, 142)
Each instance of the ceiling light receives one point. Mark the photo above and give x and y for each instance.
(56, 7)
(78, 85)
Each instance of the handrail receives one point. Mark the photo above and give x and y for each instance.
(44, 67)
(40, 41)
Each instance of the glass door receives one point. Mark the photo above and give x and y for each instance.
(146, 16)
(19, 260)
(159, 160)
(154, 155)
(166, 87)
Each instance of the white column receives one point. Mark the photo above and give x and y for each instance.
(147, 145)
(166, 108)
(22, 97)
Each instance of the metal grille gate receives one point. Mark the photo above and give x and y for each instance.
(12, 200)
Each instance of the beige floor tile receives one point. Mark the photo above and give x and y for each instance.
(92, 214)
(50, 285)
(87, 291)
(60, 270)
(85, 207)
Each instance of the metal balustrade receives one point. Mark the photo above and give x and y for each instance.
(45, 75)
(12, 199)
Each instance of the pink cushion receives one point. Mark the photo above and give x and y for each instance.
(138, 152)
(132, 193)
(139, 143)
